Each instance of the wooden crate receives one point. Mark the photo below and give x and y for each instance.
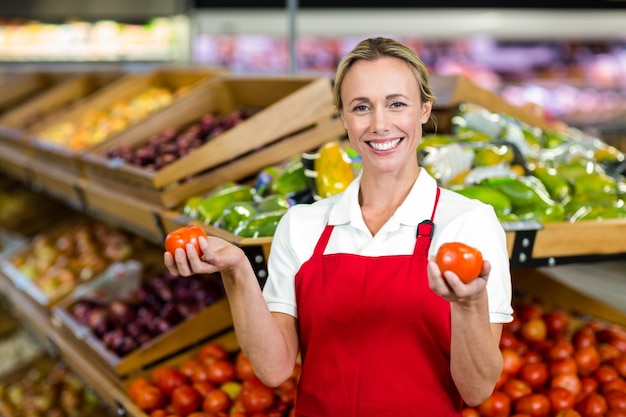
(17, 87)
(52, 101)
(295, 116)
(123, 210)
(210, 321)
(45, 154)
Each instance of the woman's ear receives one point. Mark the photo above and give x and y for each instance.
(426, 110)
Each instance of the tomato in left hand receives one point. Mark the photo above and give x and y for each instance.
(180, 237)
(463, 260)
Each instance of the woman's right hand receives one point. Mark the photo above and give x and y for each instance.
(218, 255)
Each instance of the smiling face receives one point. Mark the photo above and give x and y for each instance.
(383, 114)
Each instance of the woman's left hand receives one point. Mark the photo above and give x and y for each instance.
(450, 287)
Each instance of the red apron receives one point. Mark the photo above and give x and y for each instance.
(375, 338)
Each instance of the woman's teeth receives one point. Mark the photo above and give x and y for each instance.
(385, 146)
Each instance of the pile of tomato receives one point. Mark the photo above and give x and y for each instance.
(556, 364)
(212, 383)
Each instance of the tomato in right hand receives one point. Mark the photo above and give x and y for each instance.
(463, 260)
(180, 237)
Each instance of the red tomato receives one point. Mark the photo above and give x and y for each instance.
(618, 384)
(588, 360)
(221, 371)
(203, 387)
(608, 352)
(469, 412)
(535, 374)
(570, 382)
(200, 374)
(537, 405)
(159, 413)
(534, 330)
(211, 351)
(516, 388)
(616, 413)
(512, 361)
(568, 413)
(560, 349)
(149, 398)
(185, 400)
(583, 337)
(560, 399)
(167, 378)
(557, 322)
(497, 405)
(620, 365)
(257, 398)
(189, 366)
(565, 365)
(243, 366)
(605, 373)
(135, 387)
(463, 260)
(216, 401)
(592, 405)
(180, 237)
(616, 400)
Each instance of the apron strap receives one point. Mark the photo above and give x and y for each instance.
(426, 229)
(320, 247)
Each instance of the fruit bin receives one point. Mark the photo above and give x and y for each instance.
(17, 87)
(172, 83)
(126, 282)
(290, 115)
(47, 381)
(47, 104)
(226, 339)
(65, 255)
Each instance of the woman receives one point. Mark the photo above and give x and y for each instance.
(381, 332)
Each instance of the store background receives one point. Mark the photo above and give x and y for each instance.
(570, 61)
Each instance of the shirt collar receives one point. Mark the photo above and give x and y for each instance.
(418, 205)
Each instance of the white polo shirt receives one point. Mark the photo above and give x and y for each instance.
(457, 218)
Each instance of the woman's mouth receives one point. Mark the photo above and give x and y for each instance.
(385, 145)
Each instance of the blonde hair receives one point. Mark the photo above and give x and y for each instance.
(374, 48)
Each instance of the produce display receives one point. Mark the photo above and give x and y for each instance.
(213, 382)
(526, 173)
(98, 124)
(127, 321)
(558, 364)
(49, 389)
(57, 262)
(166, 147)
(252, 210)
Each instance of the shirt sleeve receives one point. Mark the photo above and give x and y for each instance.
(279, 289)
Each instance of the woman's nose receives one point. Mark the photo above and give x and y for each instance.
(380, 121)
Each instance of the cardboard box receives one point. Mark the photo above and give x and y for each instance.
(294, 114)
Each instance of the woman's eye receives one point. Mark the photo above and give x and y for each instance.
(397, 104)
(360, 108)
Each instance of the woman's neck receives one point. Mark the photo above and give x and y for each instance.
(380, 197)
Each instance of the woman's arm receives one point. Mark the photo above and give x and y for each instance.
(475, 357)
(269, 340)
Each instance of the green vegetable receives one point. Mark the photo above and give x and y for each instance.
(260, 225)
